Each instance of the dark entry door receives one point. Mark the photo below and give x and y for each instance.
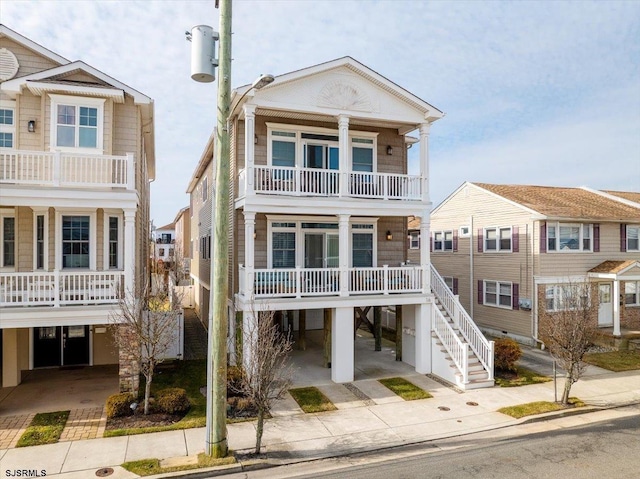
(46, 346)
(75, 345)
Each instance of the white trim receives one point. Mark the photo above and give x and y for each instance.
(39, 88)
(77, 102)
(498, 284)
(461, 232)
(10, 105)
(612, 196)
(557, 225)
(558, 279)
(444, 235)
(626, 235)
(31, 45)
(105, 239)
(92, 214)
(41, 211)
(8, 213)
(497, 239)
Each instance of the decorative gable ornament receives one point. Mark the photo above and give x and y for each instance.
(344, 95)
(8, 64)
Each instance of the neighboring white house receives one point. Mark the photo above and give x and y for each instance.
(76, 159)
(164, 240)
(320, 200)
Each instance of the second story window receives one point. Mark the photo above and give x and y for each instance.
(443, 241)
(7, 127)
(497, 239)
(414, 240)
(569, 237)
(113, 242)
(76, 122)
(205, 189)
(8, 245)
(75, 242)
(633, 234)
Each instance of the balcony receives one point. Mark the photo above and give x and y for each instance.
(61, 169)
(306, 282)
(58, 288)
(276, 180)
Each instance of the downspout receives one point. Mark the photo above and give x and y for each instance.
(534, 288)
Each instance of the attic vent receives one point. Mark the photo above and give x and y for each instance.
(8, 65)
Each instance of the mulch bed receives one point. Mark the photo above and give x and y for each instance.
(139, 420)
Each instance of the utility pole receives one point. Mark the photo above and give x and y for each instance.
(216, 441)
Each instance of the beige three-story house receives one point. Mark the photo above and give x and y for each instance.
(76, 159)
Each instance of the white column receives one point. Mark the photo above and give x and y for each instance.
(249, 330)
(343, 253)
(343, 143)
(424, 160)
(249, 250)
(129, 249)
(425, 251)
(342, 345)
(616, 307)
(423, 338)
(249, 146)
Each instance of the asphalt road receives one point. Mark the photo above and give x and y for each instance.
(601, 450)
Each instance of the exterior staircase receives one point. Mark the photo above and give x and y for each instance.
(466, 356)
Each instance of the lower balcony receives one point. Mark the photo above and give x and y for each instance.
(306, 282)
(60, 288)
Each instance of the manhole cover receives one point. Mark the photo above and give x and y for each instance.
(444, 408)
(104, 472)
(471, 403)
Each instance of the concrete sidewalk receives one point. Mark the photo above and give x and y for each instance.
(359, 424)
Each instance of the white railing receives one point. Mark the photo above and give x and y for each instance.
(60, 288)
(481, 346)
(457, 350)
(322, 182)
(299, 282)
(66, 169)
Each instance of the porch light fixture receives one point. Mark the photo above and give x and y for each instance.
(389, 235)
(255, 235)
(389, 150)
(31, 126)
(255, 139)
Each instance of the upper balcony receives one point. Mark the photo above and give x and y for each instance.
(63, 169)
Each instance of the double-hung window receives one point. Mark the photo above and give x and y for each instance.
(8, 243)
(633, 234)
(443, 241)
(498, 293)
(561, 297)
(75, 241)
(362, 154)
(362, 246)
(114, 234)
(414, 240)
(632, 293)
(569, 237)
(497, 239)
(7, 127)
(283, 245)
(76, 122)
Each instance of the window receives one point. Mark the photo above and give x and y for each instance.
(362, 250)
(632, 293)
(633, 243)
(320, 151)
(443, 241)
(414, 240)
(7, 127)
(569, 237)
(161, 252)
(8, 256)
(448, 280)
(283, 148)
(560, 297)
(497, 293)
(284, 249)
(40, 242)
(76, 122)
(497, 239)
(205, 189)
(362, 154)
(113, 242)
(75, 241)
(465, 231)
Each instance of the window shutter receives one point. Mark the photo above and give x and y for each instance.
(515, 239)
(480, 292)
(455, 285)
(623, 238)
(455, 240)
(596, 238)
(480, 240)
(515, 299)
(543, 237)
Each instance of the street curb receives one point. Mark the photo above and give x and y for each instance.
(257, 464)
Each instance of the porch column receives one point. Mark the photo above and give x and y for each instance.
(425, 252)
(249, 331)
(10, 358)
(423, 338)
(424, 160)
(129, 249)
(616, 308)
(249, 146)
(343, 253)
(342, 345)
(343, 143)
(249, 247)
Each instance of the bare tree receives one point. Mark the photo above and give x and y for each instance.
(144, 328)
(267, 371)
(568, 327)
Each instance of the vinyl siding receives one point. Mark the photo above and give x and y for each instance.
(29, 61)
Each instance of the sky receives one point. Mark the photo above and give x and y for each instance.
(544, 93)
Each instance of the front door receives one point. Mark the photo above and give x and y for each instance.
(60, 346)
(321, 250)
(605, 308)
(75, 345)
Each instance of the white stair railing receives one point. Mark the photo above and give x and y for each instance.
(457, 350)
(481, 346)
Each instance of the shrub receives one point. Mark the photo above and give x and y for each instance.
(120, 405)
(172, 401)
(507, 352)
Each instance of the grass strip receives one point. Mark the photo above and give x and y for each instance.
(538, 407)
(45, 428)
(405, 389)
(523, 377)
(615, 360)
(148, 467)
(310, 399)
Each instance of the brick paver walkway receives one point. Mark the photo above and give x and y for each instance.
(84, 424)
(11, 428)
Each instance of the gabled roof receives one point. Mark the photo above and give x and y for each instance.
(564, 203)
(170, 226)
(205, 159)
(626, 195)
(613, 266)
(31, 45)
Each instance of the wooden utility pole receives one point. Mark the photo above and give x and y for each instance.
(216, 440)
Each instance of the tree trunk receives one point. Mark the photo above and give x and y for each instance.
(377, 327)
(567, 389)
(147, 391)
(259, 429)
